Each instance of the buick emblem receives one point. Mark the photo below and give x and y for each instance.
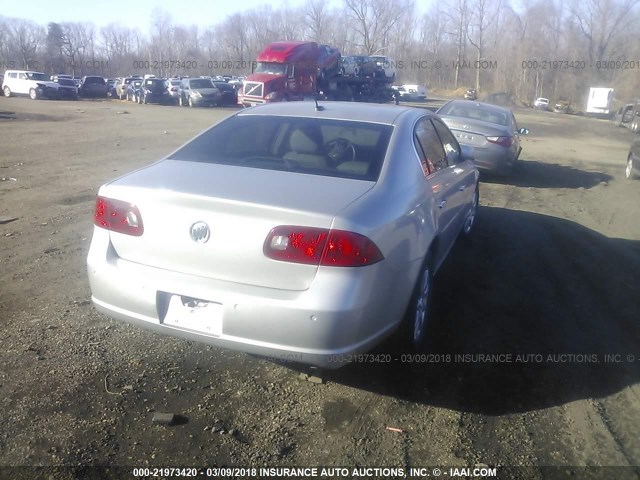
(200, 232)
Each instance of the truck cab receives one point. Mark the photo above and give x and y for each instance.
(283, 71)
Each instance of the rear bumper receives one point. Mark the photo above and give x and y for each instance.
(345, 312)
(490, 161)
(205, 102)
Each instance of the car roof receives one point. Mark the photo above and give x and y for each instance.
(359, 112)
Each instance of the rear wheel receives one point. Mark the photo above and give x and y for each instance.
(418, 316)
(191, 104)
(7, 92)
(33, 94)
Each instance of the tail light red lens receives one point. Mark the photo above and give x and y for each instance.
(319, 246)
(118, 216)
(503, 141)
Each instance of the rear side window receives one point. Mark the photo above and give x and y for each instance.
(429, 147)
(449, 142)
(315, 146)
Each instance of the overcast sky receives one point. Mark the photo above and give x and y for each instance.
(133, 13)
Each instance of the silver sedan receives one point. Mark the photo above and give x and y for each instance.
(492, 131)
(287, 230)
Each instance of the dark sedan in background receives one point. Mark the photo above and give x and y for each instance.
(67, 88)
(228, 93)
(92, 86)
(154, 90)
(492, 131)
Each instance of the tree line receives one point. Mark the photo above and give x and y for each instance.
(544, 48)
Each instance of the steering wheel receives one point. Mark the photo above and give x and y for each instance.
(340, 150)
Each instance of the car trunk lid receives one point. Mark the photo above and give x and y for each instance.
(475, 132)
(240, 206)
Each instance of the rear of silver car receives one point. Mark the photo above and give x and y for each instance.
(494, 149)
(199, 250)
(490, 130)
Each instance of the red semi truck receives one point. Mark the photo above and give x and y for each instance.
(290, 71)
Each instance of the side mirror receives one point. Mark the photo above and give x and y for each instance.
(523, 131)
(467, 153)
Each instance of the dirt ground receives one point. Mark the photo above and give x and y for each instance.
(537, 367)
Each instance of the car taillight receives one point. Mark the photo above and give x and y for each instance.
(320, 246)
(118, 216)
(503, 141)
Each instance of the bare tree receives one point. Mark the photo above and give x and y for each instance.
(458, 13)
(603, 23)
(27, 37)
(316, 20)
(483, 14)
(374, 20)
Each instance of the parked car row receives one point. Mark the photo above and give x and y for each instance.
(192, 92)
(561, 106)
(148, 89)
(39, 85)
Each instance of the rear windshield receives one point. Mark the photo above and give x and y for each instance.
(225, 87)
(96, 80)
(475, 112)
(325, 147)
(200, 83)
(37, 76)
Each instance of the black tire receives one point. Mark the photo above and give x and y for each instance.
(33, 94)
(418, 318)
(7, 92)
(180, 101)
(191, 104)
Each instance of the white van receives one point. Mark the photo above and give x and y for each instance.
(26, 82)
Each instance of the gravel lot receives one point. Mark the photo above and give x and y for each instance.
(537, 366)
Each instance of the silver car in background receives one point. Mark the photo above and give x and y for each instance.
(492, 131)
(297, 232)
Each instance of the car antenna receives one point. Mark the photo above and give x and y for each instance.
(319, 108)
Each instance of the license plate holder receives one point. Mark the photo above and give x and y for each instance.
(187, 313)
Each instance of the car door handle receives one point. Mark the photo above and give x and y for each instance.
(442, 204)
